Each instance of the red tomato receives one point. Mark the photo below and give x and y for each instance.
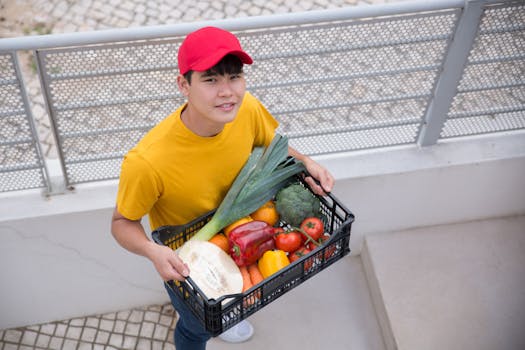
(312, 246)
(313, 226)
(299, 253)
(329, 251)
(288, 241)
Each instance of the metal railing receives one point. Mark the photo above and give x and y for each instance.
(337, 80)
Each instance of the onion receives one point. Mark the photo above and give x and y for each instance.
(214, 271)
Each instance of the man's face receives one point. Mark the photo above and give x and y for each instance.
(213, 100)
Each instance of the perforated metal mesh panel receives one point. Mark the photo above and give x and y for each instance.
(333, 87)
(491, 94)
(104, 98)
(20, 163)
(349, 85)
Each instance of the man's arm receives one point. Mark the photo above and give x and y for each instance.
(131, 236)
(318, 172)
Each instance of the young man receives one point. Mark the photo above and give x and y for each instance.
(184, 166)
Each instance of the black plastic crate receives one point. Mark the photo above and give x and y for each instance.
(217, 315)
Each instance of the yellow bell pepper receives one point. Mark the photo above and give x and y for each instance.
(272, 261)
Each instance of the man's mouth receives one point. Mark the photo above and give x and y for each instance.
(226, 106)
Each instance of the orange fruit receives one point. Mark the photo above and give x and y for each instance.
(221, 241)
(233, 225)
(267, 213)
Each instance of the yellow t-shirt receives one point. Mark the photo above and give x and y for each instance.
(175, 175)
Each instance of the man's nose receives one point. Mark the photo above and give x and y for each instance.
(225, 87)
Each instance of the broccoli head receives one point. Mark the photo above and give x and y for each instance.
(295, 203)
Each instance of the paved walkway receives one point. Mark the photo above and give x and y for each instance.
(63, 16)
(150, 327)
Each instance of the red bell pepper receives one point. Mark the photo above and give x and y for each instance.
(249, 241)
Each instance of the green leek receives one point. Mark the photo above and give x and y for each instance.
(266, 171)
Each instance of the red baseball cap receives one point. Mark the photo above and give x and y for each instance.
(205, 47)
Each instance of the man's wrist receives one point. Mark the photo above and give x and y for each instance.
(150, 249)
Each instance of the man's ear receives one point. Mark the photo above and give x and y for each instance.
(183, 85)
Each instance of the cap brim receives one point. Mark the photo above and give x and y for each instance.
(212, 60)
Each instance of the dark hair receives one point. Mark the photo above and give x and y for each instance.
(229, 64)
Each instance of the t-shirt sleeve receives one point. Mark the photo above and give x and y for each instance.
(139, 187)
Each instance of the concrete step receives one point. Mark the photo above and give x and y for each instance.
(331, 311)
(459, 286)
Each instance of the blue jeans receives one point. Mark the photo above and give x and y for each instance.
(189, 333)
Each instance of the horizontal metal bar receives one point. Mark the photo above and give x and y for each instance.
(343, 105)
(19, 167)
(16, 112)
(517, 57)
(233, 24)
(80, 160)
(97, 132)
(513, 28)
(343, 77)
(113, 45)
(356, 47)
(75, 106)
(365, 126)
(485, 132)
(500, 3)
(502, 110)
(106, 73)
(19, 141)
(8, 82)
(492, 87)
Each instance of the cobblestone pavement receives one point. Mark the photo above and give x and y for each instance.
(63, 16)
(149, 327)
(37, 17)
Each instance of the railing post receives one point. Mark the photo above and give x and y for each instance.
(57, 180)
(31, 122)
(453, 66)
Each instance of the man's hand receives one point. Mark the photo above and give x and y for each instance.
(321, 182)
(167, 263)
(131, 235)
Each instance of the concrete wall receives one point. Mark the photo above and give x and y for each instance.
(59, 260)
(454, 181)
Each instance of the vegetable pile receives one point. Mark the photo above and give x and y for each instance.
(259, 249)
(266, 245)
(263, 224)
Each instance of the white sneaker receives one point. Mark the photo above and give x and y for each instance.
(239, 333)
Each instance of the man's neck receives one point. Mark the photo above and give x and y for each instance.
(198, 128)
